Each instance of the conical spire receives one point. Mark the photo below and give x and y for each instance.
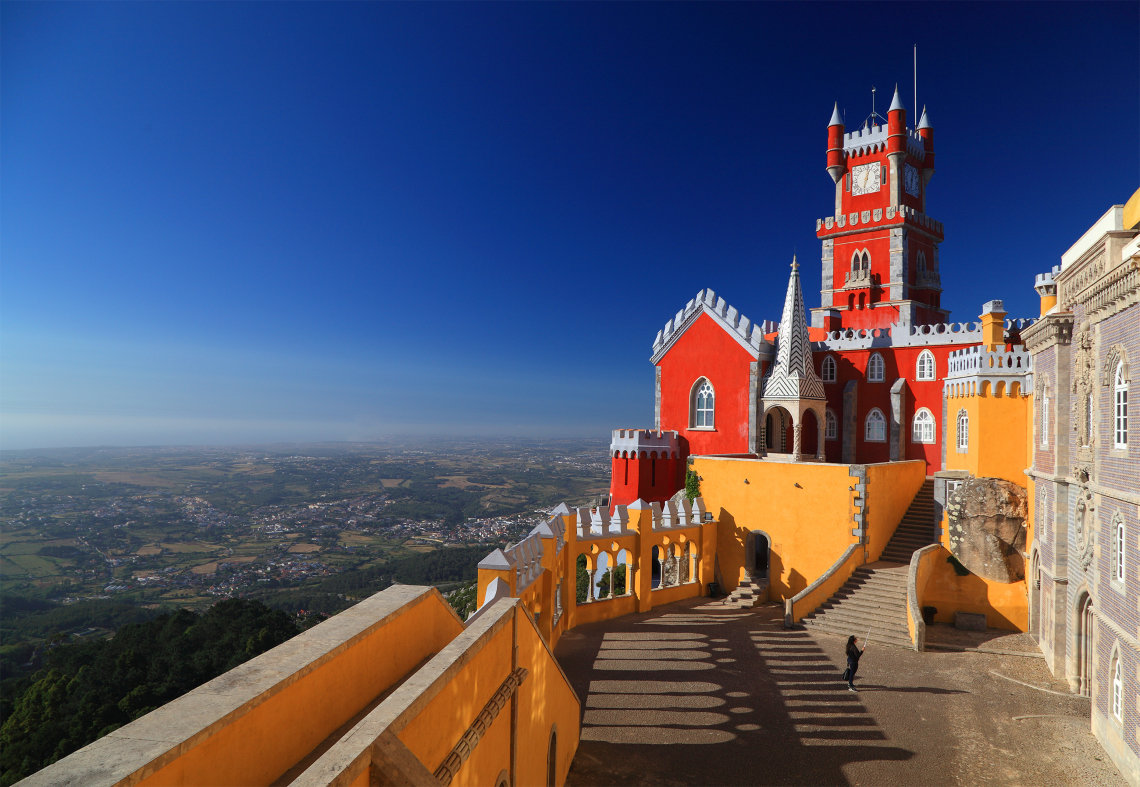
(924, 122)
(896, 103)
(793, 375)
(836, 119)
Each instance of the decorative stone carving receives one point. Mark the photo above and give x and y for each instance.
(987, 528)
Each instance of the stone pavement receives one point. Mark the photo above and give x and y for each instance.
(693, 694)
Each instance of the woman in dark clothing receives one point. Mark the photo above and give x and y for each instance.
(853, 654)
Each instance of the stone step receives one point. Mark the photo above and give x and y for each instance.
(873, 581)
(895, 610)
(859, 626)
(877, 637)
(878, 595)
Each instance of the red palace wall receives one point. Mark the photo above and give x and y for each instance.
(651, 476)
(707, 350)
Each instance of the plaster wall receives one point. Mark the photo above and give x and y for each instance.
(1004, 605)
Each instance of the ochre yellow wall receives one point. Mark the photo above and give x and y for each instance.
(890, 490)
(998, 436)
(809, 524)
(326, 696)
(1004, 605)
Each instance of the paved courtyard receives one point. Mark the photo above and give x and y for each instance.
(694, 694)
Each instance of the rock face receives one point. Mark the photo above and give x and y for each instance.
(987, 528)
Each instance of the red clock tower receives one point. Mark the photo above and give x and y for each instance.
(880, 249)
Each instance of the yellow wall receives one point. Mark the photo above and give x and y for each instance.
(1004, 605)
(326, 694)
(890, 490)
(998, 436)
(806, 509)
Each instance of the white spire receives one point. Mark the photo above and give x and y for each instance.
(836, 120)
(793, 375)
(924, 122)
(895, 102)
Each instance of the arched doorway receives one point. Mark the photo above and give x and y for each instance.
(758, 550)
(1084, 645)
(809, 434)
(779, 436)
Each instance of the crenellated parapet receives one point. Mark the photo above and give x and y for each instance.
(884, 216)
(678, 513)
(599, 522)
(643, 442)
(873, 139)
(977, 370)
(749, 334)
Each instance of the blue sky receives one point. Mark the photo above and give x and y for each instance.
(254, 222)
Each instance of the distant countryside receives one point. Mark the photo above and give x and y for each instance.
(94, 539)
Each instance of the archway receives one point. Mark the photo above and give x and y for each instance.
(809, 434)
(779, 431)
(1035, 596)
(758, 553)
(1084, 645)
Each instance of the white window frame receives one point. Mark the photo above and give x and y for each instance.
(880, 424)
(827, 369)
(876, 372)
(702, 417)
(925, 368)
(1045, 416)
(1117, 688)
(1119, 547)
(923, 427)
(830, 426)
(963, 432)
(1120, 408)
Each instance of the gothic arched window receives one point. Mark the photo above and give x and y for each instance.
(875, 428)
(875, 368)
(1117, 687)
(922, 428)
(1116, 568)
(924, 369)
(827, 369)
(701, 405)
(963, 423)
(830, 426)
(1120, 408)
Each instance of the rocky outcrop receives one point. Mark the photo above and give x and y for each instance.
(987, 528)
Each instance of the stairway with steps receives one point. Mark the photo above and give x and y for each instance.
(874, 598)
(750, 592)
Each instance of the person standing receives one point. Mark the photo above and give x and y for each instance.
(854, 652)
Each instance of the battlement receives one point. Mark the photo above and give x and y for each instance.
(873, 139)
(978, 360)
(912, 335)
(634, 441)
(748, 333)
(880, 215)
(1047, 281)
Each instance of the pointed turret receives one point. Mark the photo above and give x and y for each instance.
(836, 166)
(926, 133)
(924, 122)
(793, 374)
(896, 125)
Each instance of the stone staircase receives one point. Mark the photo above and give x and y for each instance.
(874, 598)
(750, 592)
(916, 528)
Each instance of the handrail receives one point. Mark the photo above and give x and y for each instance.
(791, 617)
(913, 611)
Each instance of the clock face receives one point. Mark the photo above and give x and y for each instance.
(911, 175)
(865, 179)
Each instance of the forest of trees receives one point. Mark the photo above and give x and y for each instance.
(86, 690)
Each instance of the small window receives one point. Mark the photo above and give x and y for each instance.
(875, 429)
(963, 423)
(1117, 689)
(827, 369)
(921, 263)
(1120, 409)
(830, 426)
(703, 405)
(875, 368)
(924, 370)
(1118, 545)
(1045, 415)
(922, 430)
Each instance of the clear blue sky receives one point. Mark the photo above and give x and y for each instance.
(252, 222)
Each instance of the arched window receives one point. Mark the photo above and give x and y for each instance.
(963, 432)
(1118, 544)
(1117, 688)
(1045, 414)
(830, 426)
(827, 369)
(701, 405)
(875, 429)
(875, 368)
(860, 261)
(1120, 408)
(924, 370)
(921, 263)
(922, 428)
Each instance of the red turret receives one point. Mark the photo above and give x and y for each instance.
(926, 132)
(896, 126)
(836, 160)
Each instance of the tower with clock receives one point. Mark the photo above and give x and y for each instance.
(880, 249)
